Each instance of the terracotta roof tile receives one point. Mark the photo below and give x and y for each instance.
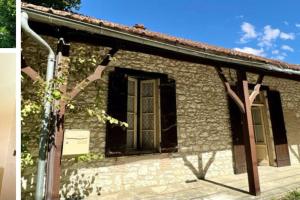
(164, 37)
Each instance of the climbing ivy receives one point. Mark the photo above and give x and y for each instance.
(32, 108)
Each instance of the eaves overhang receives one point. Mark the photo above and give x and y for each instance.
(57, 20)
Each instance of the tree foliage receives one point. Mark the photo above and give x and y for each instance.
(7, 23)
(57, 4)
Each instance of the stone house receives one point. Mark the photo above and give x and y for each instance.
(183, 123)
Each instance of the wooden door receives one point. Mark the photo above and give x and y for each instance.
(116, 107)
(168, 108)
(278, 128)
(260, 135)
(237, 138)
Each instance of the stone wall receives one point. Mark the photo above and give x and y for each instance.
(204, 137)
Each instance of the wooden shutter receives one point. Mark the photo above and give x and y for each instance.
(239, 156)
(278, 128)
(168, 115)
(117, 108)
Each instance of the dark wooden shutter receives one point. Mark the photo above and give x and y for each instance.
(237, 138)
(117, 108)
(168, 115)
(278, 128)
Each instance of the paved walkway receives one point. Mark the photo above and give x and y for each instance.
(274, 183)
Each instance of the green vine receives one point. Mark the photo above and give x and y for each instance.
(90, 157)
(33, 106)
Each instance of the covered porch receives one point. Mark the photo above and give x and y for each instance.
(274, 181)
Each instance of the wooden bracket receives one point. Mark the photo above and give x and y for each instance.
(34, 75)
(93, 77)
(230, 92)
(109, 56)
(256, 89)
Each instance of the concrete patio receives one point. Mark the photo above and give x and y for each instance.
(274, 182)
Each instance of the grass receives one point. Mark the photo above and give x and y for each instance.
(293, 195)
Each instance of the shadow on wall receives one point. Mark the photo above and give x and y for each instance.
(80, 180)
(295, 149)
(79, 187)
(201, 170)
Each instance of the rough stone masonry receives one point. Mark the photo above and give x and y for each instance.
(204, 136)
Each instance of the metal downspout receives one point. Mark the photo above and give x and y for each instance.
(39, 193)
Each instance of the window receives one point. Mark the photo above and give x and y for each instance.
(132, 114)
(147, 102)
(142, 105)
(258, 121)
(258, 125)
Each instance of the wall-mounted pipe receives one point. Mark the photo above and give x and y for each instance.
(39, 193)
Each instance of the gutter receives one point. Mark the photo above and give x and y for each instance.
(57, 20)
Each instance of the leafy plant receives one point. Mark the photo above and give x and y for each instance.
(26, 160)
(293, 195)
(33, 107)
(7, 24)
(90, 157)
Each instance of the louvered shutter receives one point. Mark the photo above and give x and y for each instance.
(168, 115)
(237, 138)
(117, 108)
(278, 128)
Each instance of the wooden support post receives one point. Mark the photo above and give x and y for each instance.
(56, 139)
(248, 135)
(244, 102)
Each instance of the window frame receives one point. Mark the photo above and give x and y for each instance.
(166, 142)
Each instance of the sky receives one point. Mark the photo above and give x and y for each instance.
(262, 27)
